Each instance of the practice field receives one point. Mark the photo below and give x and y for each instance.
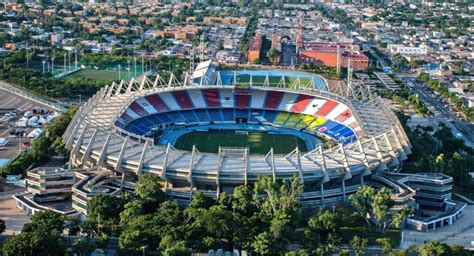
(273, 81)
(259, 77)
(99, 74)
(258, 143)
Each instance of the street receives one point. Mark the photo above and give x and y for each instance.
(459, 128)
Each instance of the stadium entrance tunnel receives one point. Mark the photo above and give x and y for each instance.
(259, 139)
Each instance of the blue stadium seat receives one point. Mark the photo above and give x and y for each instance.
(189, 116)
(269, 115)
(228, 114)
(255, 115)
(201, 115)
(215, 115)
(241, 113)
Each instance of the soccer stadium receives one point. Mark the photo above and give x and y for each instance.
(219, 129)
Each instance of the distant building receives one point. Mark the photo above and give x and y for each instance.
(407, 51)
(327, 54)
(49, 188)
(67, 191)
(94, 182)
(254, 48)
(56, 39)
(434, 207)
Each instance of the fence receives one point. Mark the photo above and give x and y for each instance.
(31, 96)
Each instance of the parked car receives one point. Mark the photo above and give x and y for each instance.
(18, 133)
(26, 145)
(28, 114)
(3, 142)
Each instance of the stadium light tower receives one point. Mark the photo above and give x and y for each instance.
(338, 59)
(135, 62)
(119, 68)
(143, 63)
(191, 60)
(128, 68)
(202, 47)
(349, 72)
(64, 66)
(75, 58)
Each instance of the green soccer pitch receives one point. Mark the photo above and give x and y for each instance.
(258, 143)
(272, 80)
(100, 74)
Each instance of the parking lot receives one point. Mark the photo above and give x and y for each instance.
(15, 106)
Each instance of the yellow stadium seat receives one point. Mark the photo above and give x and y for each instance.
(316, 123)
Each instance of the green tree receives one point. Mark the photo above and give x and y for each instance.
(435, 248)
(361, 201)
(104, 207)
(39, 242)
(224, 224)
(280, 197)
(178, 249)
(242, 201)
(82, 248)
(2, 226)
(148, 188)
(381, 205)
(324, 222)
(386, 244)
(45, 220)
(131, 210)
(333, 241)
(359, 244)
(273, 56)
(264, 244)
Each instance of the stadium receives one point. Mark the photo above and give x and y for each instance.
(220, 129)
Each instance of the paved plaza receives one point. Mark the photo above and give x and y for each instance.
(13, 217)
(461, 232)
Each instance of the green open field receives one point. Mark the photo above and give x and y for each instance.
(99, 74)
(273, 80)
(258, 143)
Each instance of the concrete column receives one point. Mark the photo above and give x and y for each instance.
(321, 188)
(343, 190)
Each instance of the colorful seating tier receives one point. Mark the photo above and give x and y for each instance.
(279, 108)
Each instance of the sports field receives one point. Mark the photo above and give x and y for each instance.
(273, 81)
(100, 74)
(258, 77)
(258, 143)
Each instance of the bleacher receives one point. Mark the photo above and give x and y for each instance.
(278, 108)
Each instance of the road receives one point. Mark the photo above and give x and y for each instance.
(460, 129)
(442, 113)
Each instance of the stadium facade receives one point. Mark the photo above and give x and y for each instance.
(113, 130)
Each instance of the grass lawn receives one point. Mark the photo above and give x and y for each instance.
(98, 74)
(258, 143)
(273, 80)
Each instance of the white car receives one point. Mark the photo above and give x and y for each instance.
(3, 142)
